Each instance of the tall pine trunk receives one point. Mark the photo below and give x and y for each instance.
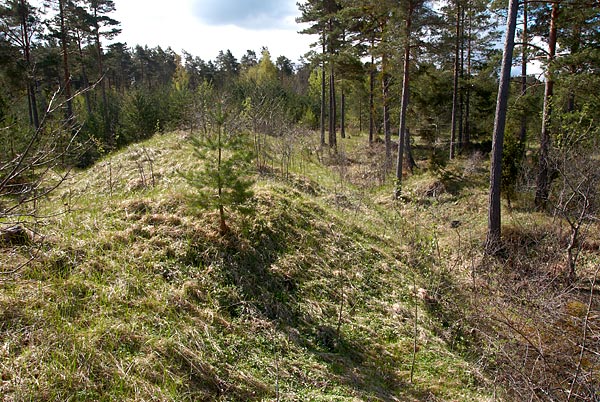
(523, 132)
(360, 115)
(323, 101)
(65, 58)
(575, 48)
(404, 101)
(372, 99)
(409, 159)
(332, 108)
(543, 178)
(343, 114)
(493, 241)
(26, 41)
(84, 77)
(461, 78)
(467, 137)
(107, 124)
(455, 106)
(385, 86)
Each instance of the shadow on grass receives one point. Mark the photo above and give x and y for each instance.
(252, 281)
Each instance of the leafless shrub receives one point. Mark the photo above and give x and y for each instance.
(576, 199)
(35, 170)
(536, 331)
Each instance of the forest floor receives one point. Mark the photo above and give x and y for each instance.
(330, 290)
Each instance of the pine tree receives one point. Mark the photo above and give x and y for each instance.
(412, 11)
(323, 15)
(494, 212)
(103, 26)
(223, 180)
(543, 178)
(19, 23)
(61, 27)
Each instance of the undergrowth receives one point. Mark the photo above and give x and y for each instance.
(135, 296)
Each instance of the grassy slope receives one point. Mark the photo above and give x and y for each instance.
(136, 297)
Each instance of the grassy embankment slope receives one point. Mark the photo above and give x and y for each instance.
(311, 298)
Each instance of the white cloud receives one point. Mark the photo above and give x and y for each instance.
(252, 14)
(178, 25)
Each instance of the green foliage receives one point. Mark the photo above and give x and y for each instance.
(145, 113)
(180, 105)
(309, 119)
(512, 165)
(222, 181)
(264, 72)
(14, 137)
(577, 130)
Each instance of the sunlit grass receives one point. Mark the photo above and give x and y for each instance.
(135, 296)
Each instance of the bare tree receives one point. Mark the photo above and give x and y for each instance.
(577, 196)
(31, 174)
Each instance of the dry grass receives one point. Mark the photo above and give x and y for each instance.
(136, 297)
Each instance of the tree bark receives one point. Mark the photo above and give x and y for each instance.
(461, 77)
(523, 133)
(543, 178)
(107, 126)
(493, 242)
(575, 48)
(332, 109)
(467, 138)
(65, 57)
(360, 115)
(32, 100)
(372, 99)
(343, 114)
(404, 101)
(323, 101)
(385, 85)
(455, 106)
(84, 76)
(409, 159)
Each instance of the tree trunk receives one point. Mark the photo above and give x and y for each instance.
(372, 100)
(32, 100)
(404, 104)
(29, 104)
(461, 77)
(343, 115)
(65, 57)
(523, 133)
(107, 124)
(493, 242)
(332, 109)
(455, 106)
(86, 81)
(409, 159)
(543, 179)
(573, 70)
(323, 101)
(467, 138)
(385, 85)
(360, 115)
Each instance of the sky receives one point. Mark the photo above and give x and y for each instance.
(204, 27)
